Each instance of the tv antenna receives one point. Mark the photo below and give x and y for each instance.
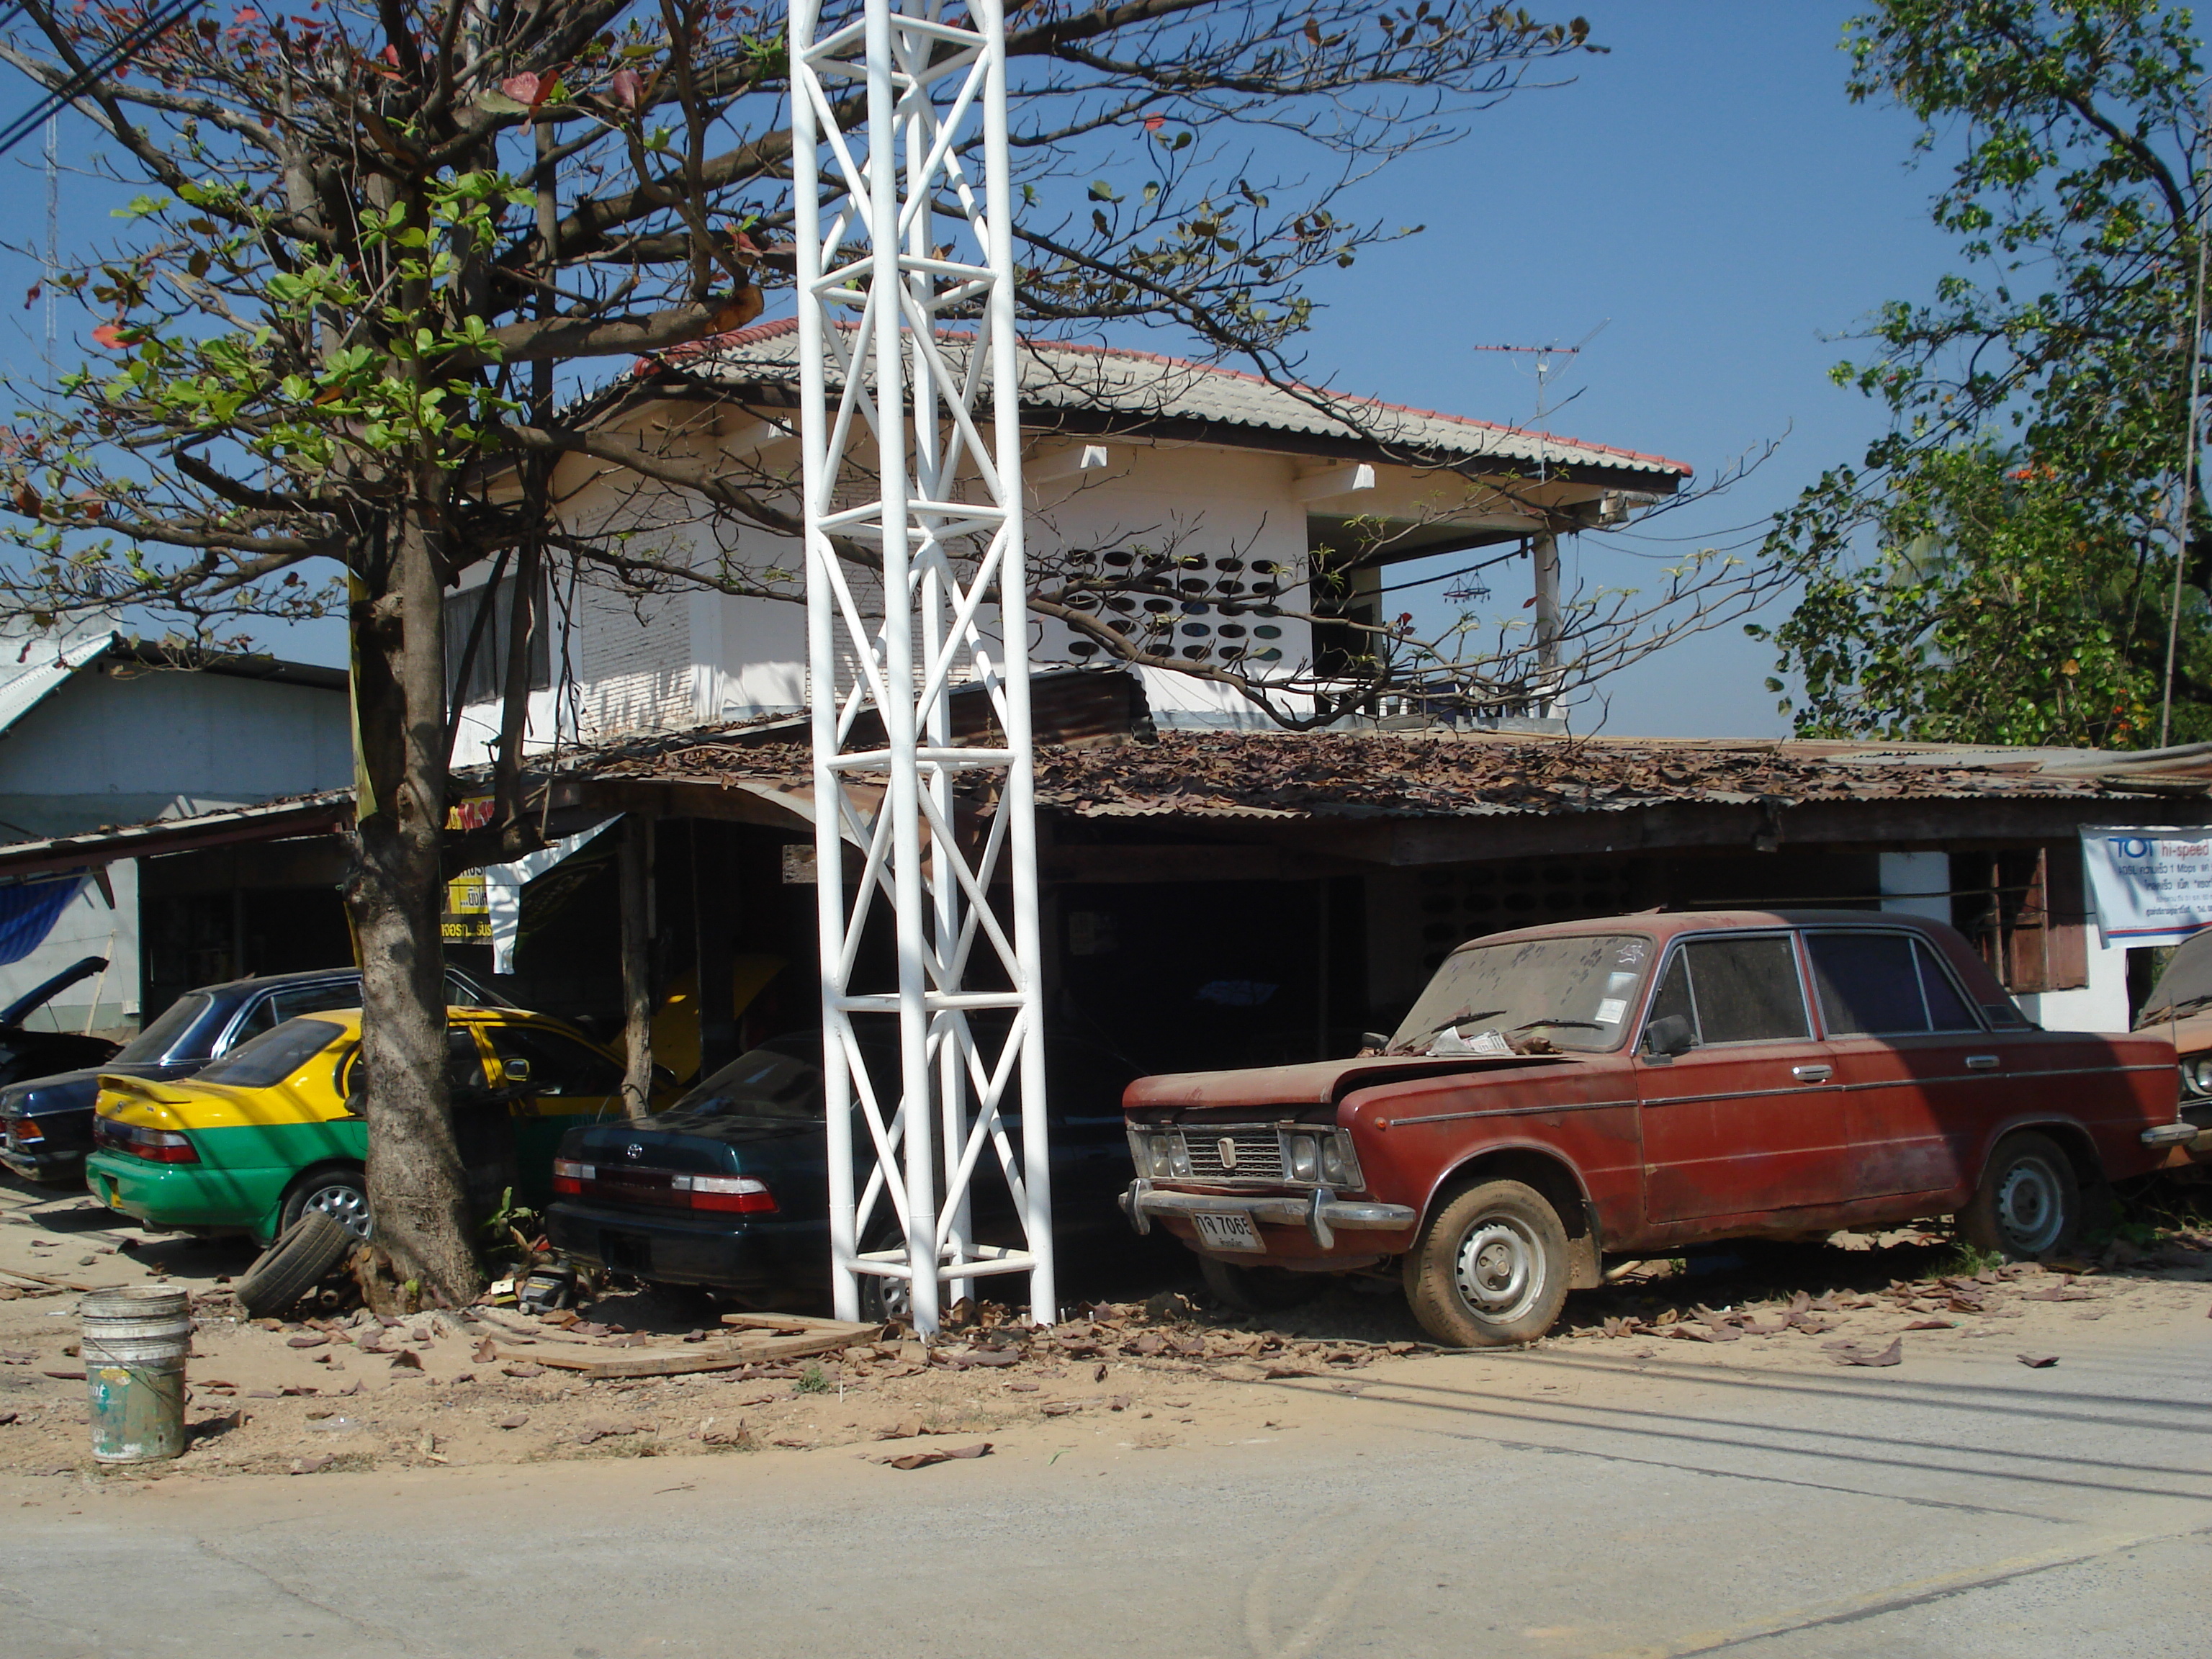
(1547, 366)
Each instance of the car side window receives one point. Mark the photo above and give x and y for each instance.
(558, 1065)
(1884, 985)
(1947, 1011)
(465, 1069)
(1734, 990)
(273, 1010)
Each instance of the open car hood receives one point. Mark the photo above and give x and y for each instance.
(1322, 1082)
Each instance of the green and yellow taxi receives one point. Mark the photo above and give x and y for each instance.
(275, 1128)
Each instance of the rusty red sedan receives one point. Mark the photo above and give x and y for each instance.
(1633, 1086)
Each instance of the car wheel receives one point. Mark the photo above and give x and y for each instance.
(1256, 1290)
(297, 1262)
(2029, 1203)
(341, 1194)
(883, 1300)
(1490, 1267)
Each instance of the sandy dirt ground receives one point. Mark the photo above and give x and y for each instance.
(349, 1392)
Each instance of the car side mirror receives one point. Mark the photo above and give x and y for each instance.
(1374, 1040)
(1668, 1036)
(356, 1104)
(515, 1071)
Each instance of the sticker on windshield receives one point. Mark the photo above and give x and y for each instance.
(1610, 1009)
(1619, 985)
(1630, 953)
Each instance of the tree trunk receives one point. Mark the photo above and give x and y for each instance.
(417, 1191)
(637, 964)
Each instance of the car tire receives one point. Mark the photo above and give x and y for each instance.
(1490, 1267)
(342, 1193)
(1256, 1290)
(884, 1300)
(299, 1260)
(2029, 1201)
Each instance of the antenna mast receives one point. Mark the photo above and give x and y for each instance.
(919, 586)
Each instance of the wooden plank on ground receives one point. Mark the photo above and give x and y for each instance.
(798, 1323)
(694, 1357)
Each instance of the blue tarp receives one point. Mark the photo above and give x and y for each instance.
(29, 912)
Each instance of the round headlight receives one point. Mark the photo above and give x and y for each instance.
(1333, 1170)
(1156, 1155)
(1305, 1158)
(2200, 1074)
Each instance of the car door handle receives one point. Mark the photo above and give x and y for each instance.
(1982, 1062)
(1812, 1074)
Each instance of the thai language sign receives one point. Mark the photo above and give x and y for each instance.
(2151, 887)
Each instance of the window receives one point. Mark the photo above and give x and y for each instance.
(464, 1073)
(558, 1065)
(487, 667)
(1576, 990)
(1734, 990)
(1884, 985)
(278, 1006)
(272, 1056)
(157, 1040)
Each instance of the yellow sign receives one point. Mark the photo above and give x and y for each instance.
(467, 920)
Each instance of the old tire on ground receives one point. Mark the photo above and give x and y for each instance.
(293, 1265)
(341, 1193)
(2029, 1202)
(1490, 1267)
(1256, 1290)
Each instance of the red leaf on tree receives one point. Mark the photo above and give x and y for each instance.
(109, 335)
(627, 85)
(524, 88)
(32, 298)
(1154, 123)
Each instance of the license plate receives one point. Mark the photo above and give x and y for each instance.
(1229, 1232)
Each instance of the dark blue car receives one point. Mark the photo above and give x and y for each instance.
(729, 1189)
(45, 1122)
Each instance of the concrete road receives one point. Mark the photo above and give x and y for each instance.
(1567, 1503)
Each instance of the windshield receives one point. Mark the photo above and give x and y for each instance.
(1576, 992)
(2186, 983)
(156, 1040)
(273, 1055)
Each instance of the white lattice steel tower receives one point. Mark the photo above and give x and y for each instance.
(910, 416)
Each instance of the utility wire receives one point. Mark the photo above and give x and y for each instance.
(68, 93)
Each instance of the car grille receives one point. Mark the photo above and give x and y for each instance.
(1258, 1153)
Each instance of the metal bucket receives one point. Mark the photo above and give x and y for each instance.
(134, 1340)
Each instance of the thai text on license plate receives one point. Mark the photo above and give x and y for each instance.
(1228, 1232)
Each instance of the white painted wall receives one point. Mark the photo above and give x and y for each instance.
(1917, 885)
(678, 660)
(89, 927)
(124, 745)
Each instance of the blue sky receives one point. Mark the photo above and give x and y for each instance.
(1706, 186)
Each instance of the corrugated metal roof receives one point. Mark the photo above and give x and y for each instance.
(35, 670)
(1143, 385)
(1381, 775)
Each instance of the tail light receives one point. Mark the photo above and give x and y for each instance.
(740, 1193)
(569, 1176)
(626, 1183)
(157, 1145)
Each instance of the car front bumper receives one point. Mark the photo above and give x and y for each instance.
(755, 1255)
(1319, 1212)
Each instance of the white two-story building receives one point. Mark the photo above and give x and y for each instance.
(1256, 490)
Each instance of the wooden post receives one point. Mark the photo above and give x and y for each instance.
(636, 873)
